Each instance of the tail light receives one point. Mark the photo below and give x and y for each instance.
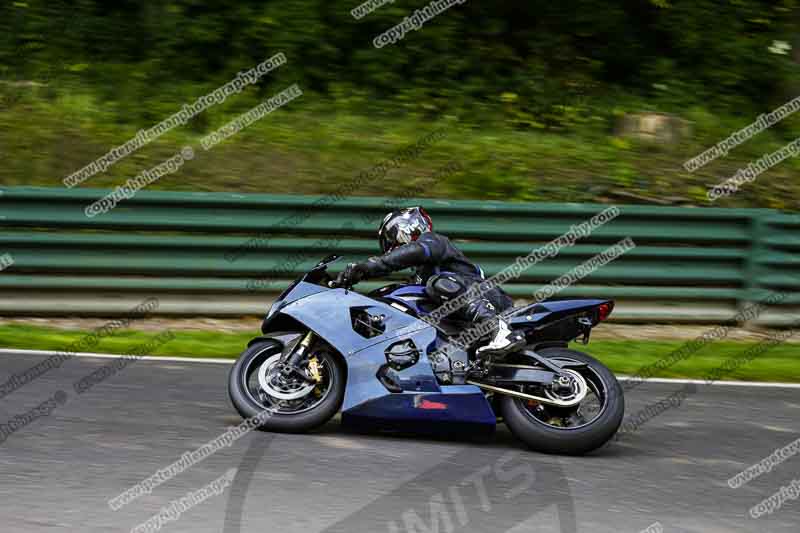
(603, 310)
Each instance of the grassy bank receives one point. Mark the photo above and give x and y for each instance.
(309, 149)
(625, 357)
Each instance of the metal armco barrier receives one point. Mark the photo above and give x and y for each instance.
(188, 249)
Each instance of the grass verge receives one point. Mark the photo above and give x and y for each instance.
(309, 149)
(779, 363)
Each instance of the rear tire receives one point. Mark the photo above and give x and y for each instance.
(545, 438)
(246, 404)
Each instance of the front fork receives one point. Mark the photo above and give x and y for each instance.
(297, 355)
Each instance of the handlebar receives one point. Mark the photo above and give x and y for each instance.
(332, 284)
(347, 285)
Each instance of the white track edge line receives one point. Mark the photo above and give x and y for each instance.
(11, 351)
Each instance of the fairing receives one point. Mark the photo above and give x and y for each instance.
(423, 404)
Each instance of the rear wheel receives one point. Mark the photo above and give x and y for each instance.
(290, 404)
(568, 430)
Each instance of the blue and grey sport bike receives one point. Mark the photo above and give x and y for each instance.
(328, 349)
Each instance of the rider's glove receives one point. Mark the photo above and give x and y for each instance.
(352, 274)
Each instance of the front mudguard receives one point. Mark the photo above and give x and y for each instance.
(284, 337)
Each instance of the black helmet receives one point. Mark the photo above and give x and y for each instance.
(402, 227)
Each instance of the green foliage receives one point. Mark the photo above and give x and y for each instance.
(79, 77)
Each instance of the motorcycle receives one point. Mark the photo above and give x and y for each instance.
(326, 349)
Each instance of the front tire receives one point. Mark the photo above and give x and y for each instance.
(529, 423)
(250, 399)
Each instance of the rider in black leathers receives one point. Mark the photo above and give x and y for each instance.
(407, 240)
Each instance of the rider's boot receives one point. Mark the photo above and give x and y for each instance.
(501, 339)
(503, 342)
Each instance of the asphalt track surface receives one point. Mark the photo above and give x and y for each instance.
(58, 472)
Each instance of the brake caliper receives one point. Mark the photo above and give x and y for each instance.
(314, 370)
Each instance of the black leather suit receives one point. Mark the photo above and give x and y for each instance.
(446, 273)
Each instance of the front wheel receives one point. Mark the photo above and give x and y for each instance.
(569, 430)
(256, 386)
